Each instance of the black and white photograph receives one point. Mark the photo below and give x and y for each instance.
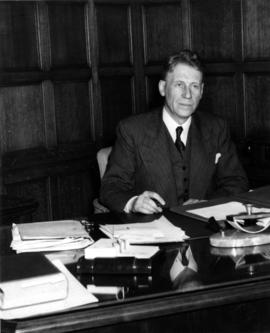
(135, 166)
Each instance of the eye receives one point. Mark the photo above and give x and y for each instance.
(196, 86)
(180, 84)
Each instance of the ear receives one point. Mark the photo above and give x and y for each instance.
(161, 87)
(202, 89)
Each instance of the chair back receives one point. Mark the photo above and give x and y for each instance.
(102, 159)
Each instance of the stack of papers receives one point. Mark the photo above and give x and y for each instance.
(158, 231)
(106, 248)
(49, 236)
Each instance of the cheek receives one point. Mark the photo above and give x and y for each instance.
(173, 95)
(197, 96)
(169, 96)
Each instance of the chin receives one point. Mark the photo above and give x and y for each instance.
(184, 114)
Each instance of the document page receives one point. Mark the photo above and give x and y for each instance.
(219, 212)
(159, 231)
(107, 248)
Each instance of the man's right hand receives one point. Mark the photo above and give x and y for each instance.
(148, 203)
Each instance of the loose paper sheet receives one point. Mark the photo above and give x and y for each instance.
(219, 212)
(106, 248)
(158, 231)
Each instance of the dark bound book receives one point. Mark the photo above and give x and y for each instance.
(119, 280)
(29, 278)
(117, 265)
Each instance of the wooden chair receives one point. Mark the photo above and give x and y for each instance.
(102, 159)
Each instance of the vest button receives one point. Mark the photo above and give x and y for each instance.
(185, 179)
(184, 167)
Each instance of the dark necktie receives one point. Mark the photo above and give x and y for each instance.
(178, 143)
(183, 251)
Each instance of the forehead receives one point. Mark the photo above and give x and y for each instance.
(184, 72)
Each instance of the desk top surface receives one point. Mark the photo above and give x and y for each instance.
(193, 279)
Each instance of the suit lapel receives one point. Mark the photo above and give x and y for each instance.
(156, 156)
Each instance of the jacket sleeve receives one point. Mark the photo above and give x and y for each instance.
(118, 183)
(230, 177)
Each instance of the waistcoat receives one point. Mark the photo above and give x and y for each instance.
(180, 167)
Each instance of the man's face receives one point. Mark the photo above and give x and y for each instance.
(183, 89)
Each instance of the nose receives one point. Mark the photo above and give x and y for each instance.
(186, 92)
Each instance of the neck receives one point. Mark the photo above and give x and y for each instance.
(178, 120)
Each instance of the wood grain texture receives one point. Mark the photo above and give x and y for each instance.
(163, 31)
(74, 195)
(72, 112)
(67, 34)
(220, 97)
(114, 34)
(213, 29)
(37, 189)
(258, 105)
(256, 32)
(154, 99)
(18, 36)
(21, 117)
(57, 178)
(116, 102)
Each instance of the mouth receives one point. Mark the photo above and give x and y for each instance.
(185, 105)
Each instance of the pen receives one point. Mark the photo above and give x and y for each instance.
(158, 204)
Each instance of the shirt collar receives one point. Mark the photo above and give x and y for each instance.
(171, 125)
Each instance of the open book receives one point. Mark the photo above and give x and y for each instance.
(49, 236)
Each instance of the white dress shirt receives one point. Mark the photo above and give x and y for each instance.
(171, 125)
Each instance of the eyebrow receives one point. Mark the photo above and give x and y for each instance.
(192, 82)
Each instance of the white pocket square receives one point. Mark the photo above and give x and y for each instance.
(218, 155)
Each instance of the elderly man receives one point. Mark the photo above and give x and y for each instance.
(172, 155)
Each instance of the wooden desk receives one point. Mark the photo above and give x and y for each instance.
(223, 296)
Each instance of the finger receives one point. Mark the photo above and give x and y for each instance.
(157, 198)
(145, 205)
(157, 203)
(153, 205)
(145, 209)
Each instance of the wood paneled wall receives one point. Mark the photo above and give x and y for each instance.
(70, 70)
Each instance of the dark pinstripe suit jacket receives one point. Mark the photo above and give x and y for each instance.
(140, 161)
